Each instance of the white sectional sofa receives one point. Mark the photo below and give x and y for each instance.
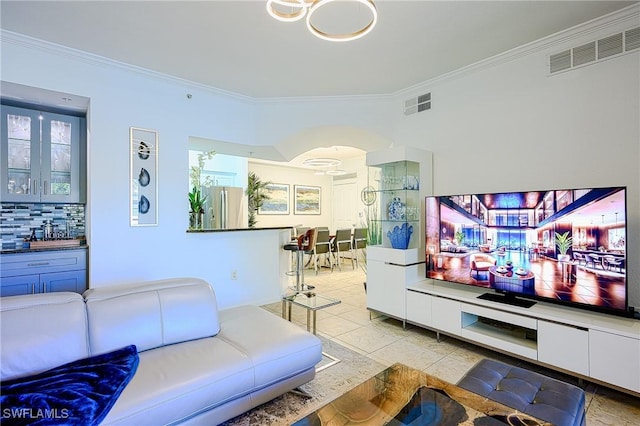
(197, 365)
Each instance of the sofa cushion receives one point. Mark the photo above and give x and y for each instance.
(151, 314)
(40, 332)
(277, 348)
(178, 381)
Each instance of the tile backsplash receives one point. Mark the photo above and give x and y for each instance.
(18, 220)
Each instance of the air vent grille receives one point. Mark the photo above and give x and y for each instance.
(595, 51)
(345, 176)
(610, 46)
(560, 61)
(584, 54)
(419, 104)
(632, 39)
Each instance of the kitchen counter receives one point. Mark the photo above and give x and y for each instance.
(204, 231)
(34, 250)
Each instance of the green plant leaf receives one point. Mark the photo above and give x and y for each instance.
(563, 242)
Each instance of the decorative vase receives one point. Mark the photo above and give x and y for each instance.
(397, 209)
(400, 236)
(196, 220)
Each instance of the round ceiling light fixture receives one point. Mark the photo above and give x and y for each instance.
(287, 10)
(342, 36)
(322, 162)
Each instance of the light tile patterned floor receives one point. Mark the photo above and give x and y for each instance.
(385, 340)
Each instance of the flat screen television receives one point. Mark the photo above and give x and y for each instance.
(564, 245)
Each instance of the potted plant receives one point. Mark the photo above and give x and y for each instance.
(255, 196)
(563, 243)
(196, 203)
(196, 200)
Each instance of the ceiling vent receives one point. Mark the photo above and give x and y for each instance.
(419, 104)
(346, 176)
(632, 39)
(560, 61)
(584, 54)
(595, 51)
(610, 46)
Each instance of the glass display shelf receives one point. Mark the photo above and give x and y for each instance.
(393, 200)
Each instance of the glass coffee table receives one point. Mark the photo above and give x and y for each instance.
(402, 396)
(312, 302)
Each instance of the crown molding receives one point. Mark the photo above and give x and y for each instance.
(28, 42)
(58, 50)
(630, 14)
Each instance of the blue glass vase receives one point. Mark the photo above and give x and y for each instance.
(400, 236)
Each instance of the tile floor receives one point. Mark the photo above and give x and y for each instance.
(385, 340)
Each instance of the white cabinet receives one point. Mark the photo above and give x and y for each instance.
(593, 346)
(564, 346)
(388, 273)
(399, 179)
(446, 316)
(419, 308)
(41, 156)
(385, 293)
(615, 359)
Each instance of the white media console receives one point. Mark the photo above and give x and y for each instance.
(597, 347)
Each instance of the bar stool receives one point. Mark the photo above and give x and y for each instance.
(303, 245)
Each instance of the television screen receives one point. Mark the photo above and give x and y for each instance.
(563, 245)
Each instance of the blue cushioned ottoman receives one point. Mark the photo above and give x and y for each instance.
(532, 393)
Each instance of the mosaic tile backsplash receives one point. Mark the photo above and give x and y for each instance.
(17, 221)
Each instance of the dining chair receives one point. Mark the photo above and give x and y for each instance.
(342, 244)
(612, 262)
(594, 259)
(301, 230)
(359, 242)
(579, 258)
(322, 246)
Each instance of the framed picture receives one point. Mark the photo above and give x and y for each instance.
(278, 201)
(143, 175)
(307, 199)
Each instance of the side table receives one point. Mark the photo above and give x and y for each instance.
(312, 302)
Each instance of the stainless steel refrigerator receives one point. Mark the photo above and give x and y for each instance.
(225, 207)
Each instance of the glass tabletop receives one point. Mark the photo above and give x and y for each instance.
(311, 301)
(403, 396)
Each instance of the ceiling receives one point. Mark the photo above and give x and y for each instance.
(339, 152)
(237, 47)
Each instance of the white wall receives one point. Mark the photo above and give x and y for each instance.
(359, 166)
(511, 127)
(122, 96)
(294, 176)
(502, 127)
(275, 173)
